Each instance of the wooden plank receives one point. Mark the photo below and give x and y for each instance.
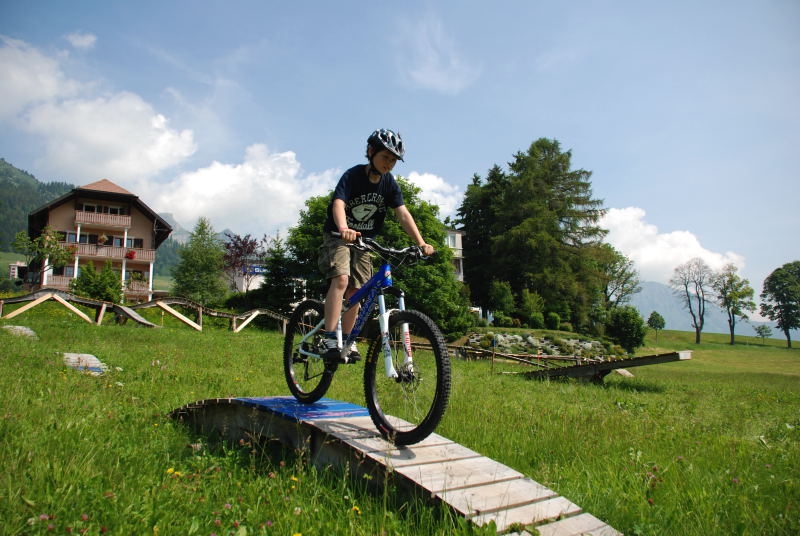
(419, 454)
(496, 496)
(179, 316)
(583, 524)
(100, 313)
(437, 478)
(72, 308)
(238, 328)
(30, 305)
(530, 514)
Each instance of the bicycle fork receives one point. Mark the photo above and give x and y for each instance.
(383, 321)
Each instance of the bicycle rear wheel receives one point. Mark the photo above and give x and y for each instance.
(307, 375)
(408, 409)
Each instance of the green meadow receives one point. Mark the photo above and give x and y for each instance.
(701, 447)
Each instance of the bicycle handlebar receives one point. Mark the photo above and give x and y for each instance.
(369, 244)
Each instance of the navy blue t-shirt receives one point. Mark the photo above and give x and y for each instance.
(365, 203)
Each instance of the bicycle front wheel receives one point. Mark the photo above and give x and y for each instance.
(306, 373)
(407, 409)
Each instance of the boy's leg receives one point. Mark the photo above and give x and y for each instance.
(333, 301)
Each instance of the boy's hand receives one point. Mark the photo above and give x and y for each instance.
(349, 235)
(427, 250)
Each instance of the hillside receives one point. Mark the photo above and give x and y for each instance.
(21, 193)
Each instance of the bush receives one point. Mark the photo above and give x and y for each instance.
(104, 286)
(536, 321)
(552, 321)
(626, 328)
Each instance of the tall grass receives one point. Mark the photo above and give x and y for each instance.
(708, 446)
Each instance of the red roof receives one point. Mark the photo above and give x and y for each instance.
(105, 185)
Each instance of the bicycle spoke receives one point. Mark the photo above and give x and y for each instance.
(306, 374)
(408, 408)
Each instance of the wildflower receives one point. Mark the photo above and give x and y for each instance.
(84, 517)
(356, 510)
(170, 470)
(43, 517)
(228, 506)
(294, 479)
(297, 510)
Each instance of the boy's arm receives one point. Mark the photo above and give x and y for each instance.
(340, 221)
(410, 227)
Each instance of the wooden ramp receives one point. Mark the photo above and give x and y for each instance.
(343, 435)
(596, 370)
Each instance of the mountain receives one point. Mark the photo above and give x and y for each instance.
(21, 193)
(660, 298)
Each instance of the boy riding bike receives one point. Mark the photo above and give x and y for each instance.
(358, 207)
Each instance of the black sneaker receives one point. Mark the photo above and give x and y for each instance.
(353, 356)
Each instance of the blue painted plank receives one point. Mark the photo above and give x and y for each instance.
(289, 407)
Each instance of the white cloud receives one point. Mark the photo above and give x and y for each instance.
(430, 59)
(263, 194)
(656, 254)
(81, 41)
(118, 137)
(29, 78)
(435, 190)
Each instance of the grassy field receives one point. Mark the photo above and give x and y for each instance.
(704, 447)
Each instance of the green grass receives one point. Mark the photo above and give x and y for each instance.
(708, 446)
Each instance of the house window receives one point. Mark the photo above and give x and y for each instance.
(71, 237)
(137, 243)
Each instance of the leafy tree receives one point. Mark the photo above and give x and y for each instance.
(431, 286)
(691, 282)
(733, 294)
(303, 243)
(780, 298)
(240, 253)
(656, 322)
(199, 274)
(501, 299)
(536, 228)
(621, 277)
(476, 216)
(43, 252)
(105, 285)
(278, 288)
(626, 328)
(531, 308)
(763, 331)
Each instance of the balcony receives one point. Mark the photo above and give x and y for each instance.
(133, 289)
(102, 220)
(97, 251)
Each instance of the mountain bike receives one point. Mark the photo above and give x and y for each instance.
(407, 366)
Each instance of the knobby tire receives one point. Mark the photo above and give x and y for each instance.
(407, 411)
(308, 377)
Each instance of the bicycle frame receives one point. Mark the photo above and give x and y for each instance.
(370, 293)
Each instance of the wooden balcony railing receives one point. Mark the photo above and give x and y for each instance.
(104, 220)
(113, 252)
(132, 288)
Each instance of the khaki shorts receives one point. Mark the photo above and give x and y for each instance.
(336, 258)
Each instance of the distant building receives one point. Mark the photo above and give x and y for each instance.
(17, 270)
(102, 221)
(455, 241)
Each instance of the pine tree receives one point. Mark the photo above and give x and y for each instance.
(199, 275)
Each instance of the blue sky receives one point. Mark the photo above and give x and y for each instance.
(686, 113)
